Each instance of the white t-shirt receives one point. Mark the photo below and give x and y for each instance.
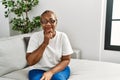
(58, 46)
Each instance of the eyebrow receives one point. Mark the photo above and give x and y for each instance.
(49, 19)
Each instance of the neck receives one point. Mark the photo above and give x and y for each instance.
(54, 33)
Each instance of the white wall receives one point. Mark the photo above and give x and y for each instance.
(4, 23)
(84, 22)
(81, 20)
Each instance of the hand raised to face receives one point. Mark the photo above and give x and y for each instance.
(48, 34)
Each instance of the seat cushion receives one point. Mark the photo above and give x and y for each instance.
(19, 74)
(23, 73)
(94, 70)
(12, 54)
(6, 78)
(80, 70)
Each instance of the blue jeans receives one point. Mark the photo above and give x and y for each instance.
(36, 74)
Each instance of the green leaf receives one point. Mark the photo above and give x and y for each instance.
(20, 8)
(6, 16)
(6, 12)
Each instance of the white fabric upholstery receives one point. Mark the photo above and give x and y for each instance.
(94, 70)
(12, 55)
(6, 79)
(18, 75)
(81, 70)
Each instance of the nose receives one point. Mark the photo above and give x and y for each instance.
(48, 26)
(48, 23)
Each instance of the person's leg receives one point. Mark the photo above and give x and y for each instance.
(62, 75)
(35, 74)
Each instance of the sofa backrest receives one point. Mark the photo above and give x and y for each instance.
(12, 54)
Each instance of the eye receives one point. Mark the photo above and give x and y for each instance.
(44, 21)
(52, 21)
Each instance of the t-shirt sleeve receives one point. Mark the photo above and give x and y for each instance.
(33, 44)
(66, 46)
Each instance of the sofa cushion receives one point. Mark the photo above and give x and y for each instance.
(19, 74)
(23, 73)
(12, 54)
(6, 78)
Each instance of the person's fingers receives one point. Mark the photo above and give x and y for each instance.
(51, 35)
(42, 78)
(48, 30)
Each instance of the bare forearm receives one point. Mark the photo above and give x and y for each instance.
(36, 55)
(60, 66)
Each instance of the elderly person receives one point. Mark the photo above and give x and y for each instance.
(49, 51)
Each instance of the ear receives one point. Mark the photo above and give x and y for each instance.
(56, 21)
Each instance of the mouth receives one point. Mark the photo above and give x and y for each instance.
(48, 29)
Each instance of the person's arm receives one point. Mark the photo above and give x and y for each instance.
(35, 56)
(63, 63)
(59, 67)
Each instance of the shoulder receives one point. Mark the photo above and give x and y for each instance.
(62, 34)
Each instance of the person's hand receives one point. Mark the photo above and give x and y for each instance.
(47, 75)
(48, 34)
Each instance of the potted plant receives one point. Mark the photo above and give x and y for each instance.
(21, 22)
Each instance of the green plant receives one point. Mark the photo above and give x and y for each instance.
(21, 22)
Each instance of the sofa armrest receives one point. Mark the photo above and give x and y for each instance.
(76, 54)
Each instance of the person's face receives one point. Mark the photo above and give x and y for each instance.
(48, 22)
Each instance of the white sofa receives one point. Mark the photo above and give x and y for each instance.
(13, 65)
